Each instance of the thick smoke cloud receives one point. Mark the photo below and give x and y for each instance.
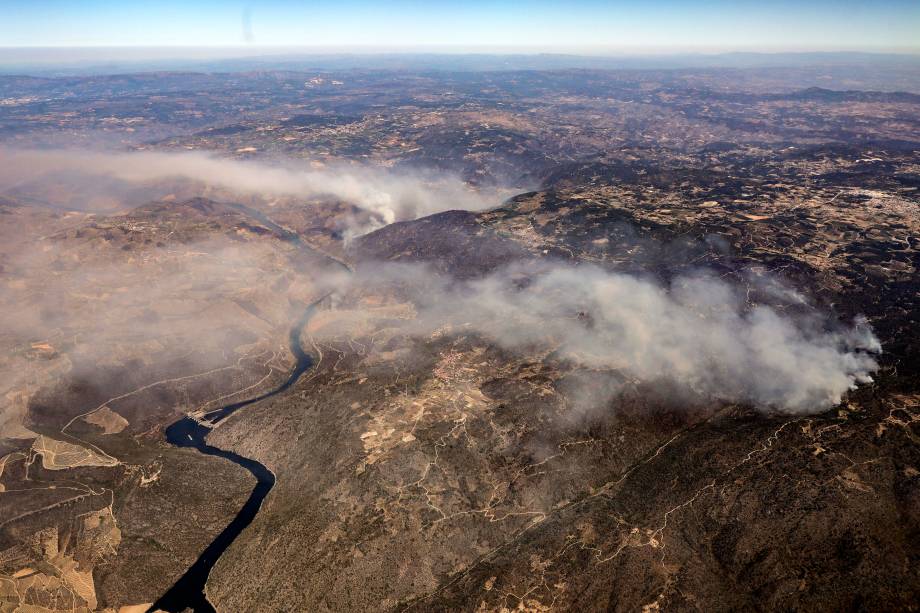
(122, 320)
(696, 336)
(388, 194)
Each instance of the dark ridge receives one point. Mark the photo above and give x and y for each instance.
(850, 95)
(224, 131)
(304, 121)
(452, 242)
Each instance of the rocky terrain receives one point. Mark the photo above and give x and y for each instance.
(435, 457)
(463, 480)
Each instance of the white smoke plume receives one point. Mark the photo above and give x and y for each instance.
(697, 334)
(389, 195)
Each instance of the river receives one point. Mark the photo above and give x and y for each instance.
(188, 591)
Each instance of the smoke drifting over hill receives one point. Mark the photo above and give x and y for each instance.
(389, 195)
(697, 334)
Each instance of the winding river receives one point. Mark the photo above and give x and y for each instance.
(188, 591)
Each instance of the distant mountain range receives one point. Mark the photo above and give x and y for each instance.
(64, 61)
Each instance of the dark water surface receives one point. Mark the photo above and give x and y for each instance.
(188, 591)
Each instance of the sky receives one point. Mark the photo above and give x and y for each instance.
(470, 25)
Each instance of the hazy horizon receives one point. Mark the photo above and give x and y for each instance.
(63, 61)
(578, 26)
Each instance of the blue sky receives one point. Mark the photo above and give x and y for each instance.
(577, 25)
